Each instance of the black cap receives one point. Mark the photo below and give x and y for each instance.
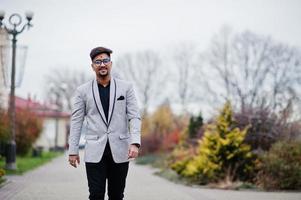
(98, 50)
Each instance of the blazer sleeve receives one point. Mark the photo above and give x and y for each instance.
(133, 115)
(76, 122)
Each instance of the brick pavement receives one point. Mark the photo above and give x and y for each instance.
(57, 180)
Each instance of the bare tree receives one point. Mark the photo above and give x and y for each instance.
(253, 70)
(145, 70)
(61, 84)
(184, 61)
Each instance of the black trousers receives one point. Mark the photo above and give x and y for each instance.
(106, 169)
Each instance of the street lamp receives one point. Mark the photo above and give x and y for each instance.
(15, 21)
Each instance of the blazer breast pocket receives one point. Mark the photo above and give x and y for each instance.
(120, 98)
(120, 105)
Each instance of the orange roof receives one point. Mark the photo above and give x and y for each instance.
(41, 110)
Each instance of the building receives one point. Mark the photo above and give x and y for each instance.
(54, 123)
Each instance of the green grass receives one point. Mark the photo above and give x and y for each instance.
(26, 163)
(2, 180)
(147, 159)
(247, 186)
(171, 176)
(155, 160)
(159, 161)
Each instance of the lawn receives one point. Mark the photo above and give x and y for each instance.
(159, 161)
(28, 162)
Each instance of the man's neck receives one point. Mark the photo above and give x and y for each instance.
(104, 81)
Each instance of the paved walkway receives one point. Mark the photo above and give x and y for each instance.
(57, 180)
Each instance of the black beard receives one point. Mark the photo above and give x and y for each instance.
(103, 75)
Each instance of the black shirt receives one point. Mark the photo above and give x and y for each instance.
(104, 94)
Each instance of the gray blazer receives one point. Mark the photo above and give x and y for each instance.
(122, 128)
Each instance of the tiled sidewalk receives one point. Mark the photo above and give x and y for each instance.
(57, 180)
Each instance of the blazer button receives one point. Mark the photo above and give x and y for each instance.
(108, 132)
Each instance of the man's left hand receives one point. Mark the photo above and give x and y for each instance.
(133, 151)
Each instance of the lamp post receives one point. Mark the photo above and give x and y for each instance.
(15, 21)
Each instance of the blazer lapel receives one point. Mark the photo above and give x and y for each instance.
(97, 101)
(113, 89)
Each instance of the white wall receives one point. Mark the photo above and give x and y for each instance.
(47, 137)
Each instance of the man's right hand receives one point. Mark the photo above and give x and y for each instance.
(73, 159)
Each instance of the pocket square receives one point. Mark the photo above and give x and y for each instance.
(120, 98)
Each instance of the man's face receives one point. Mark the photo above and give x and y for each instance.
(102, 65)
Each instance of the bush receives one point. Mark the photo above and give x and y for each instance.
(161, 131)
(2, 172)
(180, 157)
(157, 143)
(280, 167)
(266, 127)
(195, 124)
(222, 153)
(4, 132)
(28, 128)
(150, 144)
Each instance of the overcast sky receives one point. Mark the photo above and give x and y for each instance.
(65, 30)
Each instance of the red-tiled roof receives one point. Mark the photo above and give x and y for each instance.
(41, 110)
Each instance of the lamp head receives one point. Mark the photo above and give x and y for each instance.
(29, 15)
(2, 14)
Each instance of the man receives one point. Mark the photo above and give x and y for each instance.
(113, 124)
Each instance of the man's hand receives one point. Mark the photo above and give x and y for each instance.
(133, 151)
(73, 159)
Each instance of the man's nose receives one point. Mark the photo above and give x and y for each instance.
(102, 64)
